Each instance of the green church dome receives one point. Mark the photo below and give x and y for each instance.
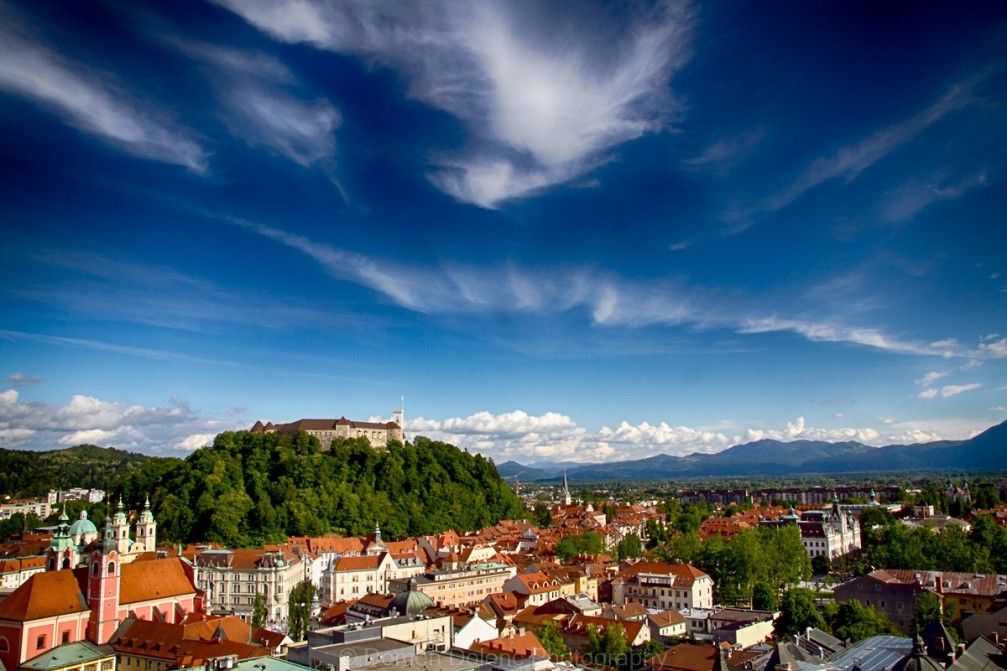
(83, 526)
(411, 602)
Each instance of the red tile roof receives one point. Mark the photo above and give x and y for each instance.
(44, 595)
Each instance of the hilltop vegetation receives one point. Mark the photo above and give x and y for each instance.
(32, 474)
(248, 489)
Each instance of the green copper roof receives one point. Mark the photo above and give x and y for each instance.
(69, 654)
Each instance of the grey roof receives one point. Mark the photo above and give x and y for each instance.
(871, 654)
(982, 655)
(268, 664)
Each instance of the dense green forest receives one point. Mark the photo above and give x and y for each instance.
(253, 488)
(32, 474)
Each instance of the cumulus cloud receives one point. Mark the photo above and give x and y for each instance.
(85, 419)
(542, 105)
(996, 349)
(91, 101)
(556, 437)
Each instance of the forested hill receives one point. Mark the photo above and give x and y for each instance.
(32, 474)
(253, 488)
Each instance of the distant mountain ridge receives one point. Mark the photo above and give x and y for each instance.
(987, 452)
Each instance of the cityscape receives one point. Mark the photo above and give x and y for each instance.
(505, 335)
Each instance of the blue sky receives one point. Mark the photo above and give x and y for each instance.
(560, 231)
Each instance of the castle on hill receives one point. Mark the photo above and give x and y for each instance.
(326, 430)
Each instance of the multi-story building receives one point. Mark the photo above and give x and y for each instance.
(458, 587)
(75, 494)
(832, 534)
(894, 592)
(232, 579)
(327, 430)
(15, 572)
(353, 577)
(38, 507)
(537, 588)
(663, 585)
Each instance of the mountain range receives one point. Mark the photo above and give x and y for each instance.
(984, 452)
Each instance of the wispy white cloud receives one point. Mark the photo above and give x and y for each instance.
(725, 153)
(92, 101)
(542, 105)
(849, 162)
(104, 287)
(932, 377)
(19, 379)
(260, 105)
(950, 390)
(910, 199)
(85, 419)
(609, 299)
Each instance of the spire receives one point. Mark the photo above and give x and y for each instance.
(567, 500)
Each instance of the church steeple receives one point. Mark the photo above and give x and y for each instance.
(103, 588)
(146, 528)
(567, 499)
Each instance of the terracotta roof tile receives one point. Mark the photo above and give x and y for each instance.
(153, 580)
(44, 595)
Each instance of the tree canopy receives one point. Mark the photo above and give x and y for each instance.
(253, 488)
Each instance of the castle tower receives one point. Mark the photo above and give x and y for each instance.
(146, 528)
(103, 588)
(120, 527)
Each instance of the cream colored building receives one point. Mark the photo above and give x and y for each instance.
(232, 578)
(458, 587)
(662, 585)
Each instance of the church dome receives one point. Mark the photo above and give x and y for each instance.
(411, 602)
(83, 526)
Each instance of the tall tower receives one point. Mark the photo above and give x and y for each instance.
(399, 417)
(567, 499)
(103, 588)
(146, 528)
(120, 526)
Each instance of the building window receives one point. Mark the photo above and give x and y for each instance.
(111, 568)
(40, 642)
(65, 637)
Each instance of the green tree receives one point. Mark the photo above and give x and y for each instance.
(798, 612)
(587, 543)
(551, 639)
(258, 611)
(763, 597)
(785, 562)
(929, 608)
(820, 565)
(542, 515)
(629, 547)
(608, 648)
(854, 621)
(299, 610)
